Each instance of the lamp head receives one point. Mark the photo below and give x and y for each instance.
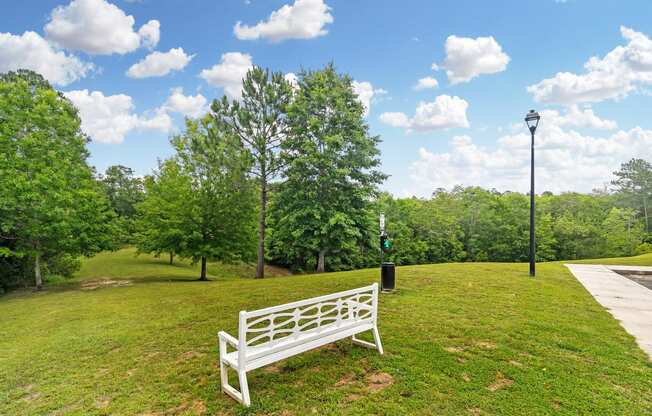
(532, 120)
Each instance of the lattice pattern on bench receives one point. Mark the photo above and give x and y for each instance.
(271, 334)
(290, 323)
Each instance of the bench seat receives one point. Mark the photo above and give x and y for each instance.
(273, 334)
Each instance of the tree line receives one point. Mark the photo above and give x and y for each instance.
(287, 175)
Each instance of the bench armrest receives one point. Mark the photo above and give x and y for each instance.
(226, 338)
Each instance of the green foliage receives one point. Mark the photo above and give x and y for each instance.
(50, 204)
(634, 183)
(63, 265)
(621, 232)
(164, 220)
(258, 121)
(643, 248)
(422, 231)
(473, 224)
(323, 210)
(218, 217)
(124, 191)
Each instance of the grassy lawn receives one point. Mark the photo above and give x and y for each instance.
(460, 339)
(126, 264)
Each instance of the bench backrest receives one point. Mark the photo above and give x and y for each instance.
(270, 326)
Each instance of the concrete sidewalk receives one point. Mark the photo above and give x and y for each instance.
(627, 301)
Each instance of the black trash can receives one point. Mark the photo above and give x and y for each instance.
(387, 276)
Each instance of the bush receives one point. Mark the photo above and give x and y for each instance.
(644, 248)
(63, 265)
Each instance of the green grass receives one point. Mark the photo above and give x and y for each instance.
(450, 333)
(642, 260)
(127, 264)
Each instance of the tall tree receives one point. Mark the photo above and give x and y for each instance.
(221, 203)
(124, 191)
(258, 120)
(50, 203)
(621, 232)
(164, 214)
(331, 169)
(634, 180)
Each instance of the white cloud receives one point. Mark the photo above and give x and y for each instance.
(565, 161)
(467, 58)
(157, 64)
(108, 118)
(366, 94)
(623, 70)
(98, 27)
(187, 105)
(443, 113)
(150, 33)
(229, 73)
(425, 83)
(31, 51)
(305, 19)
(160, 121)
(395, 119)
(574, 117)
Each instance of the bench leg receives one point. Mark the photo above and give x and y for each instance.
(379, 345)
(241, 396)
(375, 345)
(224, 377)
(244, 388)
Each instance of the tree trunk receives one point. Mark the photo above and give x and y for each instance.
(320, 261)
(37, 271)
(260, 266)
(171, 257)
(647, 226)
(202, 277)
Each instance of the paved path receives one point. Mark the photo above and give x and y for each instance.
(627, 301)
(641, 275)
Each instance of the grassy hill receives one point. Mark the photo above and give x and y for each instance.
(127, 264)
(459, 338)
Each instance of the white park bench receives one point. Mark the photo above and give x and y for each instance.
(272, 334)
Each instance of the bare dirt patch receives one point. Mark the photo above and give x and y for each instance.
(102, 402)
(30, 393)
(454, 350)
(486, 345)
(501, 382)
(378, 381)
(516, 363)
(466, 377)
(353, 397)
(474, 411)
(198, 407)
(102, 283)
(332, 347)
(347, 380)
(189, 355)
(273, 369)
(153, 354)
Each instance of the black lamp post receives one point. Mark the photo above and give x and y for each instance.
(532, 120)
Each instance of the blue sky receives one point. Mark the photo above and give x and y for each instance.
(594, 117)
